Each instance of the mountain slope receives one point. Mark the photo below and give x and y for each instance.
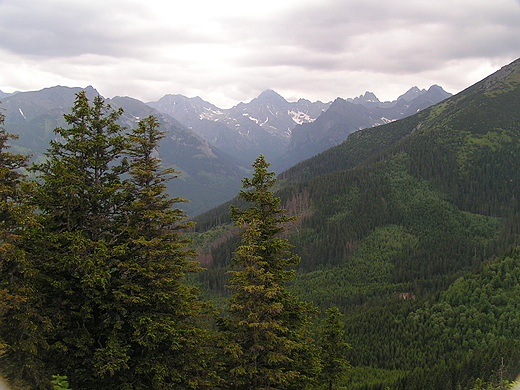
(34, 115)
(347, 116)
(4, 94)
(448, 143)
(395, 215)
(207, 177)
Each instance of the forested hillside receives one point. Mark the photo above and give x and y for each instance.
(407, 227)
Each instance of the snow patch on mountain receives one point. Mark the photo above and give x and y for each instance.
(301, 117)
(210, 114)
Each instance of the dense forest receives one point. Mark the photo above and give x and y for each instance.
(390, 261)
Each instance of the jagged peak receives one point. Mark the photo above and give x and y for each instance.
(270, 95)
(174, 97)
(436, 87)
(411, 94)
(367, 97)
(183, 101)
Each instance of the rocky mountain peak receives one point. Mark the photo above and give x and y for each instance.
(367, 98)
(411, 94)
(270, 96)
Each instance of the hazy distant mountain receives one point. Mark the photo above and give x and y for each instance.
(435, 94)
(369, 99)
(281, 130)
(4, 94)
(276, 115)
(415, 100)
(208, 176)
(34, 115)
(262, 126)
(239, 137)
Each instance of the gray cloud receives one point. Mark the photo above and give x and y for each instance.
(397, 36)
(232, 50)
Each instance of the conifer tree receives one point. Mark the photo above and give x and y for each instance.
(266, 325)
(110, 260)
(79, 198)
(81, 188)
(20, 327)
(157, 334)
(333, 348)
(13, 200)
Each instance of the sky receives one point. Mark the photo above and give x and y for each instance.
(229, 51)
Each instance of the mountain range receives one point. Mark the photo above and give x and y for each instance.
(288, 132)
(210, 147)
(207, 175)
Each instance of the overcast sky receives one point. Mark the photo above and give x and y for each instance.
(229, 51)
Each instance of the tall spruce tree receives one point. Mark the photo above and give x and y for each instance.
(110, 260)
(79, 198)
(266, 326)
(333, 348)
(158, 337)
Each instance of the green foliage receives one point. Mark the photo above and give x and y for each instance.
(333, 347)
(371, 378)
(266, 340)
(21, 328)
(494, 365)
(504, 385)
(366, 274)
(60, 382)
(79, 198)
(479, 309)
(463, 334)
(158, 338)
(382, 246)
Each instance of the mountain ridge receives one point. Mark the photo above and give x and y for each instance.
(208, 176)
(265, 125)
(345, 117)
